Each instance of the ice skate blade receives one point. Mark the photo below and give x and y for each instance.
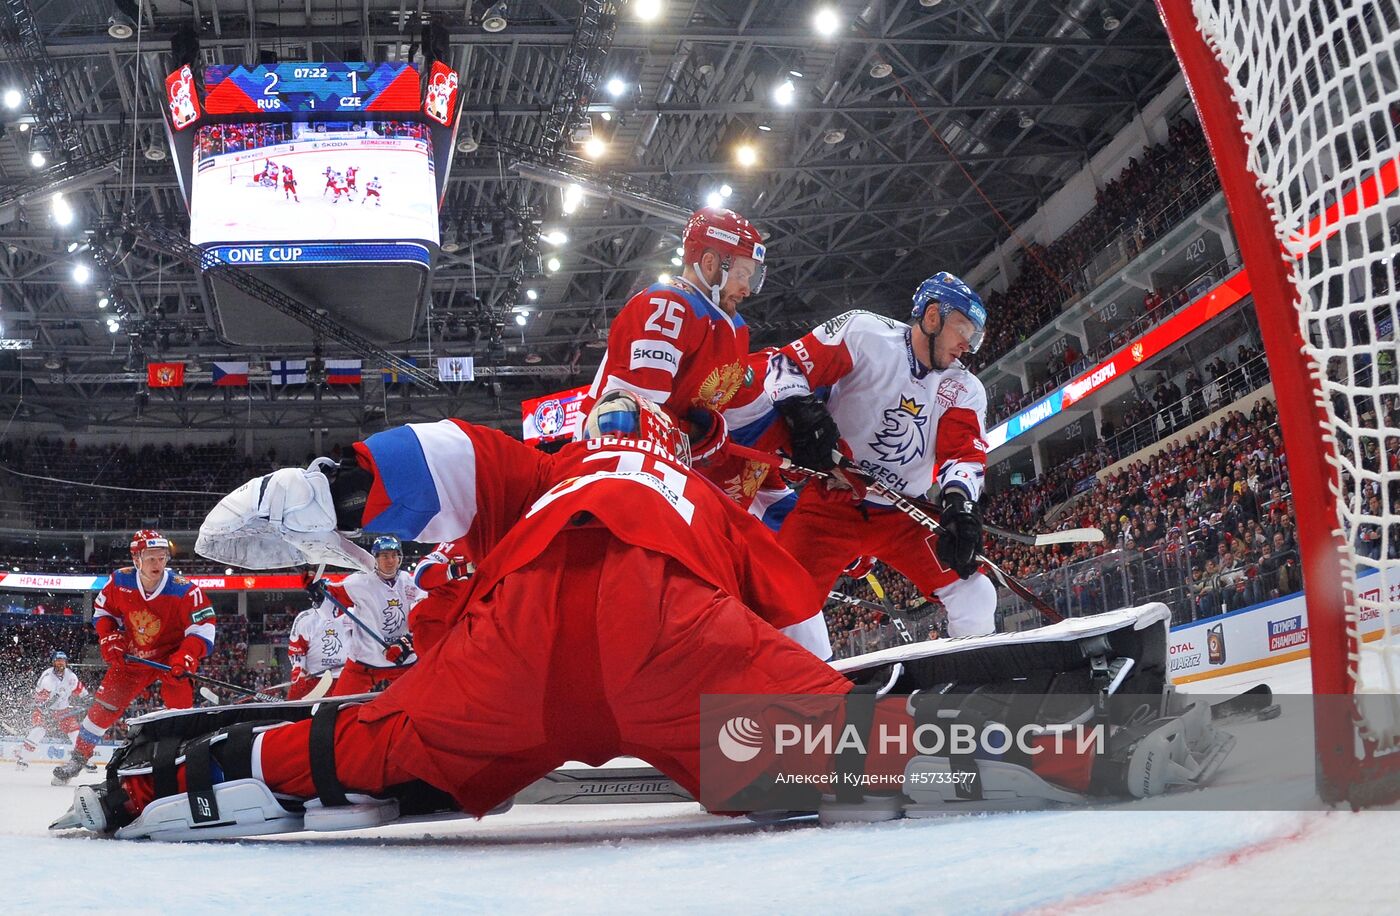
(362, 813)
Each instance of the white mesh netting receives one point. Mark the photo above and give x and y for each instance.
(1318, 87)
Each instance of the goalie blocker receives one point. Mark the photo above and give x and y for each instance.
(185, 775)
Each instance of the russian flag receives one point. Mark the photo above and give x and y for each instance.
(342, 372)
(230, 374)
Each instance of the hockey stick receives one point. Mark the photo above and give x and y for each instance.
(373, 634)
(896, 619)
(909, 508)
(214, 682)
(1068, 536)
(603, 786)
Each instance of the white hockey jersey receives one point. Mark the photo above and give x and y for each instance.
(906, 425)
(380, 604)
(319, 640)
(54, 692)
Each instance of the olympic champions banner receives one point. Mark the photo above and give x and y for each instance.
(554, 416)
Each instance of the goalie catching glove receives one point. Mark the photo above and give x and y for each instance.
(288, 518)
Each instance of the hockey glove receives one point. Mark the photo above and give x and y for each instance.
(399, 650)
(185, 660)
(960, 541)
(350, 485)
(708, 433)
(319, 590)
(814, 433)
(113, 648)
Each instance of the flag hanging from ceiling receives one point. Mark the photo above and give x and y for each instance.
(165, 375)
(456, 368)
(395, 377)
(287, 371)
(343, 371)
(228, 375)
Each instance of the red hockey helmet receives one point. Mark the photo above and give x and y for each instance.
(147, 537)
(730, 235)
(628, 415)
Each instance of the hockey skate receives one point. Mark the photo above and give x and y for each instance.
(64, 772)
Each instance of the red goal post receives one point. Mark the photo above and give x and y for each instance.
(1294, 121)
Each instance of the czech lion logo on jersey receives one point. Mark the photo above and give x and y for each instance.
(330, 643)
(393, 616)
(901, 439)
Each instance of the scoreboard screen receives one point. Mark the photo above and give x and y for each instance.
(312, 88)
(268, 183)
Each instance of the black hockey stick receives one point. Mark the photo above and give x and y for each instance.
(215, 682)
(909, 508)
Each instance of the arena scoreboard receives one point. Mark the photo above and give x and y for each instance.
(323, 179)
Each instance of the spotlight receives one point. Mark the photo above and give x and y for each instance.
(713, 199)
(495, 18)
(663, 278)
(676, 261)
(120, 27)
(38, 159)
(531, 294)
(594, 147)
(555, 237)
(765, 128)
(833, 136)
(112, 326)
(680, 250)
(13, 98)
(746, 155)
(467, 143)
(552, 265)
(647, 10)
(521, 319)
(879, 70)
(616, 86)
(72, 247)
(1110, 22)
(784, 92)
(1025, 121)
(726, 191)
(103, 302)
(573, 196)
(62, 211)
(826, 22)
(81, 273)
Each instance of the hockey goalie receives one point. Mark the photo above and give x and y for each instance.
(614, 588)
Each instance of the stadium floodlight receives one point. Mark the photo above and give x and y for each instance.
(62, 211)
(1025, 121)
(663, 278)
(785, 92)
(573, 197)
(555, 237)
(726, 191)
(532, 295)
(647, 10)
(495, 18)
(1110, 22)
(13, 98)
(598, 187)
(746, 155)
(826, 21)
(81, 273)
(676, 261)
(38, 159)
(714, 199)
(616, 86)
(594, 147)
(103, 302)
(552, 265)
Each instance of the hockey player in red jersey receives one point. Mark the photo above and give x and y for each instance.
(53, 709)
(289, 184)
(382, 600)
(445, 574)
(683, 344)
(909, 415)
(585, 634)
(144, 611)
(350, 177)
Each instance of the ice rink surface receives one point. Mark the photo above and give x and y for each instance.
(676, 858)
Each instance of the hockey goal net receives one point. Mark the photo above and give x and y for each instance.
(1300, 100)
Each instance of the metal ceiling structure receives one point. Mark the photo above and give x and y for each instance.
(864, 183)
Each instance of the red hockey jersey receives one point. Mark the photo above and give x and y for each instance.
(672, 345)
(451, 479)
(156, 623)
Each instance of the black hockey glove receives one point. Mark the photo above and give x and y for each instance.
(319, 590)
(814, 433)
(960, 541)
(400, 649)
(350, 485)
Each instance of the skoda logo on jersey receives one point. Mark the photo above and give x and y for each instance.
(901, 439)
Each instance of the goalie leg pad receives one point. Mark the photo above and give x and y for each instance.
(246, 807)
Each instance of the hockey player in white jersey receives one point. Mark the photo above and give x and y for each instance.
(381, 599)
(316, 646)
(53, 707)
(901, 408)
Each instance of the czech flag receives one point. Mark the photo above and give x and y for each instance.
(342, 372)
(229, 375)
(165, 375)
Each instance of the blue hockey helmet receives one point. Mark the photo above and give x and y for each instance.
(386, 542)
(57, 656)
(952, 295)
